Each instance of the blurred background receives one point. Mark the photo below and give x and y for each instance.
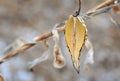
(31, 18)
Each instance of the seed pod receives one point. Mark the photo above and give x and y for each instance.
(75, 34)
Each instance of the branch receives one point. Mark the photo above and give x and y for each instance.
(103, 7)
(47, 35)
(104, 4)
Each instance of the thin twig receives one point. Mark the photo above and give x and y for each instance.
(27, 46)
(99, 11)
(106, 3)
(46, 35)
(100, 6)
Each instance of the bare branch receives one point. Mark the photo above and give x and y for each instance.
(104, 4)
(48, 34)
(99, 11)
(27, 46)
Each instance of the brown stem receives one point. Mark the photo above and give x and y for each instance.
(46, 35)
(27, 46)
(106, 3)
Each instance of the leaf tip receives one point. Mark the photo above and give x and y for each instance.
(76, 66)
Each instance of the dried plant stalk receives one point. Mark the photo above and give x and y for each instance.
(106, 3)
(46, 35)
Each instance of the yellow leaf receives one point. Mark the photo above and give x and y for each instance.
(75, 34)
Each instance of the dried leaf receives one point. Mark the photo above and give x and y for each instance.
(59, 61)
(75, 34)
(90, 54)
